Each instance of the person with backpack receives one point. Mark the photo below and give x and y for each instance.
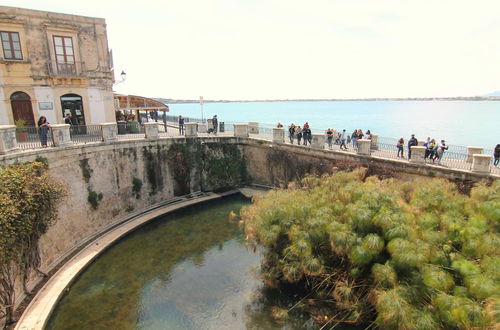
(329, 138)
(411, 142)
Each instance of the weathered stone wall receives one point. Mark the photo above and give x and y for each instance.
(103, 181)
(275, 164)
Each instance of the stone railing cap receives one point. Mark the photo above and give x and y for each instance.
(108, 124)
(418, 147)
(240, 124)
(481, 156)
(475, 148)
(7, 126)
(59, 125)
(153, 123)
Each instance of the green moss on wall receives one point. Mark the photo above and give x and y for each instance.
(223, 166)
(153, 160)
(86, 170)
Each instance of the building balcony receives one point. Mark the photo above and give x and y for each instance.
(76, 69)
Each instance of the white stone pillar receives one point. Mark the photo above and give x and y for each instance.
(109, 131)
(318, 141)
(364, 147)
(253, 127)
(278, 135)
(151, 131)
(481, 163)
(473, 151)
(210, 124)
(374, 143)
(241, 130)
(60, 135)
(8, 141)
(202, 128)
(190, 129)
(417, 155)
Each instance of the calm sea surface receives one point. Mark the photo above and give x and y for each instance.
(468, 123)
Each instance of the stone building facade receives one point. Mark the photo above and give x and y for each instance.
(53, 64)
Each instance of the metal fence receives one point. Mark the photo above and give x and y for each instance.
(85, 134)
(33, 138)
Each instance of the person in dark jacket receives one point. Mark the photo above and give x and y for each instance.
(496, 155)
(181, 125)
(411, 142)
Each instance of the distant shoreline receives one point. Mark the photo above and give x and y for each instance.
(477, 98)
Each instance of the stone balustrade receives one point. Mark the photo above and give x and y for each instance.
(481, 163)
(60, 135)
(374, 143)
(190, 129)
(253, 127)
(151, 131)
(318, 141)
(471, 151)
(364, 147)
(241, 130)
(8, 141)
(109, 131)
(417, 155)
(278, 135)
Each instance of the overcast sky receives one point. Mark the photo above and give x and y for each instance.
(275, 49)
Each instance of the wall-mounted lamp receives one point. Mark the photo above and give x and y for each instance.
(124, 76)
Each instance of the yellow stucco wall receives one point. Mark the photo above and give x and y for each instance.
(31, 75)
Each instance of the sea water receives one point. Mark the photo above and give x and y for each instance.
(467, 123)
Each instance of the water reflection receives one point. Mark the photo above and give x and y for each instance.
(189, 270)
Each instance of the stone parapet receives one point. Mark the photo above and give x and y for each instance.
(318, 141)
(8, 141)
(151, 131)
(109, 131)
(253, 127)
(417, 155)
(278, 135)
(241, 130)
(471, 151)
(364, 147)
(202, 128)
(190, 129)
(374, 143)
(481, 163)
(60, 135)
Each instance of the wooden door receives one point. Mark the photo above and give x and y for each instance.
(21, 109)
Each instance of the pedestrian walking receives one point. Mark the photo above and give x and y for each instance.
(496, 155)
(306, 135)
(298, 134)
(368, 135)
(427, 148)
(440, 151)
(291, 132)
(432, 150)
(279, 125)
(181, 125)
(342, 140)
(411, 142)
(43, 129)
(400, 145)
(215, 124)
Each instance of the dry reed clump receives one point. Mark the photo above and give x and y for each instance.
(405, 255)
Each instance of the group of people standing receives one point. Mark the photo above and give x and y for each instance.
(296, 132)
(433, 150)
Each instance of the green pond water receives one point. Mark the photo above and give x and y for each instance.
(187, 270)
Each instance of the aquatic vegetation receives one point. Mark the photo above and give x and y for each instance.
(404, 255)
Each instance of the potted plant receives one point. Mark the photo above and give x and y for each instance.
(21, 130)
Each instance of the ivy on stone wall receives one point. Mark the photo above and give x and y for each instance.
(28, 207)
(153, 161)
